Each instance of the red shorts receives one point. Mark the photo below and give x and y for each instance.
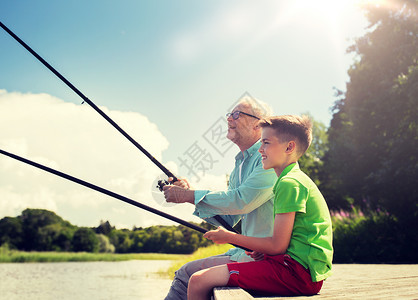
(278, 275)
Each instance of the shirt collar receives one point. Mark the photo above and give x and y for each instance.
(288, 169)
(249, 152)
(285, 172)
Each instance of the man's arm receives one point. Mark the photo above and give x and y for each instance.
(252, 193)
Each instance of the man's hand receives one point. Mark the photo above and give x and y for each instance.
(177, 194)
(219, 236)
(181, 182)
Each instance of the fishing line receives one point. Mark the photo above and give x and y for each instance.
(107, 192)
(161, 183)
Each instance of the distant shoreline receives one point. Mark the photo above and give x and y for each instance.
(11, 256)
(15, 256)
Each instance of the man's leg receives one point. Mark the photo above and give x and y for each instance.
(178, 290)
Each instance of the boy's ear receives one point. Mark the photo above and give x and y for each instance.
(291, 147)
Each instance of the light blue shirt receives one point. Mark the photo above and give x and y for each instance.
(249, 198)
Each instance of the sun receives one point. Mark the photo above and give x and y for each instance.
(328, 11)
(324, 7)
(319, 15)
(337, 20)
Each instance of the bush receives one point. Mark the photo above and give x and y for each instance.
(375, 238)
(104, 244)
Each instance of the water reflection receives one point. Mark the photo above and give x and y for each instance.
(134, 279)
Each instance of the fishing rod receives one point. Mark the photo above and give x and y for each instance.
(89, 102)
(161, 183)
(109, 193)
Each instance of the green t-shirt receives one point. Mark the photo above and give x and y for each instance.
(311, 241)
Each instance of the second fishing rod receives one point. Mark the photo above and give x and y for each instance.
(167, 172)
(108, 192)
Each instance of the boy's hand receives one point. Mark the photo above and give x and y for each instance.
(219, 236)
(255, 255)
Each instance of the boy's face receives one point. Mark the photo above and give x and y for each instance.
(273, 152)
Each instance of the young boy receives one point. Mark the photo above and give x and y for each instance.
(297, 258)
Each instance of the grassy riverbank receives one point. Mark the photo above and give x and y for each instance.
(11, 256)
(199, 253)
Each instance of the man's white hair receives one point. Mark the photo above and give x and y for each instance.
(258, 107)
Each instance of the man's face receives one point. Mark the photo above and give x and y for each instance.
(241, 129)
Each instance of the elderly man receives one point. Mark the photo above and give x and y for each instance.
(249, 197)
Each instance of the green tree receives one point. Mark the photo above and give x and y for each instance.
(312, 161)
(372, 157)
(36, 237)
(155, 242)
(47, 236)
(85, 239)
(104, 244)
(121, 239)
(104, 228)
(139, 238)
(11, 232)
(64, 238)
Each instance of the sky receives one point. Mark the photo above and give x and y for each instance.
(166, 72)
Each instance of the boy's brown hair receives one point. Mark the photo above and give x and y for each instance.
(291, 127)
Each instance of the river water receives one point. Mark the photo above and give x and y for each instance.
(135, 279)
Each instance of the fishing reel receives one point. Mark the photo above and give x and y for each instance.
(161, 184)
(157, 188)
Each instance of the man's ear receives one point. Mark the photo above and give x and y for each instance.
(291, 147)
(257, 126)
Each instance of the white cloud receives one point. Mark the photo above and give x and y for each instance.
(76, 140)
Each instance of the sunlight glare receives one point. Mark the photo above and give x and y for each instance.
(328, 11)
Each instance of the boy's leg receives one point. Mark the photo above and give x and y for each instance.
(178, 289)
(202, 282)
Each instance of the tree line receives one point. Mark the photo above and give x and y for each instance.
(369, 161)
(372, 157)
(43, 230)
(368, 156)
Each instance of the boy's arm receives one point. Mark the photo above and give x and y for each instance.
(274, 245)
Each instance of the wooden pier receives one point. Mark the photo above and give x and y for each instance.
(351, 282)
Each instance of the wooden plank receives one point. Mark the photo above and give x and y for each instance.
(230, 293)
(352, 281)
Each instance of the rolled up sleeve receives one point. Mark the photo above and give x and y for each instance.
(255, 190)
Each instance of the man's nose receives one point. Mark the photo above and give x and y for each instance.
(230, 121)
